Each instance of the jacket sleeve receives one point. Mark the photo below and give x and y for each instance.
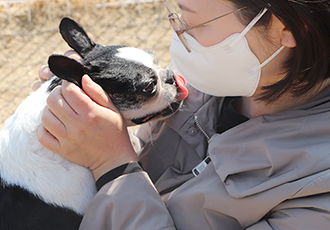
(128, 202)
(304, 213)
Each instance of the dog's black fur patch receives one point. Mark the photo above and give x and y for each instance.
(21, 210)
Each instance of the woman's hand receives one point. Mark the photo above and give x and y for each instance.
(85, 128)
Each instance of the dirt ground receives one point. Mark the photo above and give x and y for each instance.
(25, 47)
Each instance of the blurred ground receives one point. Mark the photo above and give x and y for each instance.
(25, 47)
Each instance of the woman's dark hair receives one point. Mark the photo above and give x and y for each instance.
(309, 22)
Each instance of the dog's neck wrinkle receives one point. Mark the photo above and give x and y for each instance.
(26, 163)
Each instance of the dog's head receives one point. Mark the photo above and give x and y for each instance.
(132, 77)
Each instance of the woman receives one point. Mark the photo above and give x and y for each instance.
(250, 148)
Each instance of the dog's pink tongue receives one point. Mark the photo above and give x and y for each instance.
(182, 90)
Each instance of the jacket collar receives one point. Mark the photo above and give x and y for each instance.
(199, 106)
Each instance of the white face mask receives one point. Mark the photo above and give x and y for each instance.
(226, 69)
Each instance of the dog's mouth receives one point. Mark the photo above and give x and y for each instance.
(164, 113)
(182, 93)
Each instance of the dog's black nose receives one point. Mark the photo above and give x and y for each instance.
(169, 77)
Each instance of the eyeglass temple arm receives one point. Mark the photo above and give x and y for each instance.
(193, 27)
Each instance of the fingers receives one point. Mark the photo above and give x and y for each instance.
(79, 102)
(96, 93)
(79, 126)
(69, 104)
(50, 128)
(45, 73)
(58, 113)
(74, 55)
(47, 139)
(52, 123)
(36, 85)
(83, 102)
(57, 118)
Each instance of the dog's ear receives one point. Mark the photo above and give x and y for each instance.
(66, 68)
(76, 37)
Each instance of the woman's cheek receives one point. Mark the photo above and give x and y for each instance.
(206, 36)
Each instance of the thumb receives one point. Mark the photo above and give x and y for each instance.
(96, 93)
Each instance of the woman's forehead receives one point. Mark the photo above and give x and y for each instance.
(204, 6)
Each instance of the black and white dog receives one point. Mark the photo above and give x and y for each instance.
(41, 190)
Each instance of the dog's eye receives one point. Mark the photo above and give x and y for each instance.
(150, 88)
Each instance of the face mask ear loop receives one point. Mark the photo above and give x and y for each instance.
(248, 28)
(269, 59)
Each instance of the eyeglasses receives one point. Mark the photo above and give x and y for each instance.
(180, 27)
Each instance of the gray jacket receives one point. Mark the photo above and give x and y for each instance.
(271, 172)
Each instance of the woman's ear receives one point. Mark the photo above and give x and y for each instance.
(287, 39)
(282, 33)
